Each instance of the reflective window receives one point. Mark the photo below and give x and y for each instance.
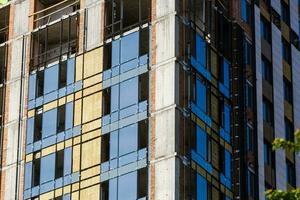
(114, 98)
(129, 47)
(69, 116)
(47, 168)
(127, 186)
(51, 79)
(201, 139)
(129, 92)
(32, 86)
(267, 71)
(67, 161)
(113, 145)
(70, 71)
(225, 73)
(49, 123)
(28, 175)
(201, 95)
(128, 139)
(30, 130)
(227, 164)
(201, 188)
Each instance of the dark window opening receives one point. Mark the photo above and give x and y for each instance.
(104, 191)
(143, 134)
(144, 41)
(106, 102)
(38, 121)
(291, 174)
(4, 24)
(36, 172)
(40, 83)
(269, 156)
(63, 74)
(105, 148)
(286, 51)
(268, 112)
(288, 90)
(285, 13)
(59, 164)
(249, 95)
(267, 71)
(107, 62)
(58, 198)
(265, 29)
(142, 183)
(61, 119)
(289, 130)
(143, 87)
(3, 61)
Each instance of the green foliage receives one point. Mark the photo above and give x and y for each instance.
(280, 143)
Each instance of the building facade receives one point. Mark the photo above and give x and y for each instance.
(148, 99)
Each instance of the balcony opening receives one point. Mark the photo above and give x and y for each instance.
(47, 11)
(54, 42)
(4, 22)
(61, 118)
(123, 15)
(59, 164)
(36, 172)
(38, 121)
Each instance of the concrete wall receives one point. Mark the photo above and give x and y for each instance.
(13, 128)
(278, 106)
(260, 127)
(164, 169)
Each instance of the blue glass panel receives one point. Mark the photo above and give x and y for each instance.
(244, 10)
(49, 123)
(67, 197)
(51, 79)
(227, 118)
(129, 92)
(115, 56)
(128, 139)
(69, 115)
(47, 168)
(127, 186)
(30, 130)
(32, 86)
(129, 47)
(113, 145)
(114, 103)
(70, 71)
(113, 185)
(226, 73)
(200, 50)
(201, 142)
(67, 161)
(201, 188)
(227, 164)
(201, 95)
(28, 175)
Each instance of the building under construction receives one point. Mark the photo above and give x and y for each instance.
(148, 99)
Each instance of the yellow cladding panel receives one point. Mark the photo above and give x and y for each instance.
(76, 158)
(31, 113)
(92, 81)
(93, 62)
(89, 182)
(90, 154)
(75, 195)
(29, 157)
(48, 150)
(50, 106)
(93, 89)
(77, 113)
(70, 98)
(90, 193)
(91, 126)
(58, 192)
(62, 101)
(47, 196)
(92, 107)
(79, 63)
(91, 135)
(90, 173)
